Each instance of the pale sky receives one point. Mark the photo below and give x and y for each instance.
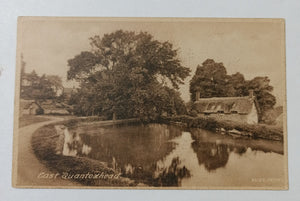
(253, 48)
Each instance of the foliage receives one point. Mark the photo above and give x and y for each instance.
(271, 116)
(55, 82)
(262, 90)
(211, 80)
(127, 74)
(39, 88)
(39, 111)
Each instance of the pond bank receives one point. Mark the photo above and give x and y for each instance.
(155, 154)
(49, 141)
(47, 144)
(28, 167)
(227, 127)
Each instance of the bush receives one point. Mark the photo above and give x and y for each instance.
(193, 113)
(39, 111)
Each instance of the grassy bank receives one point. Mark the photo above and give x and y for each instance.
(255, 130)
(45, 142)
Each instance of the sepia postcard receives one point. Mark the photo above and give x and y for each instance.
(150, 103)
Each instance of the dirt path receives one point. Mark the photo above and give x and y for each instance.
(28, 168)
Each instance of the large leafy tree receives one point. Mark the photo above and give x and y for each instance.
(125, 74)
(236, 85)
(211, 80)
(262, 90)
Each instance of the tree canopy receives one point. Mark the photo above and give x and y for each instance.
(39, 88)
(127, 74)
(210, 80)
(262, 90)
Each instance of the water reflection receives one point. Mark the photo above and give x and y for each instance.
(166, 155)
(212, 155)
(171, 175)
(73, 145)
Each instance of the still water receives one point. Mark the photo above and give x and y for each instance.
(167, 155)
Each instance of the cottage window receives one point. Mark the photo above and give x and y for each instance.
(234, 112)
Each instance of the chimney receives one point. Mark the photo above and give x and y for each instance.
(197, 95)
(251, 93)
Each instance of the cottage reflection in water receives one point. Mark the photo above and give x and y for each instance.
(167, 155)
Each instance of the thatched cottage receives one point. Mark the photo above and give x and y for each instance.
(240, 109)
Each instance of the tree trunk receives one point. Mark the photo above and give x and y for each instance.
(114, 116)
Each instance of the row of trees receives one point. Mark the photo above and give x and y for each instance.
(128, 74)
(211, 80)
(39, 88)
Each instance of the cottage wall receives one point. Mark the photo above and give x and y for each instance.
(252, 117)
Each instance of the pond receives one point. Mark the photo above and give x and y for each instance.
(168, 155)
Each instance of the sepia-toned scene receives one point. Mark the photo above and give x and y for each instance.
(183, 103)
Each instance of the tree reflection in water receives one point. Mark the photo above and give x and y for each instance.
(213, 150)
(135, 151)
(161, 155)
(212, 155)
(172, 175)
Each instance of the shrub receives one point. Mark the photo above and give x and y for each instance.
(39, 111)
(193, 113)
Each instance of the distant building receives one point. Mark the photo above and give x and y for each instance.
(55, 108)
(240, 109)
(50, 107)
(29, 107)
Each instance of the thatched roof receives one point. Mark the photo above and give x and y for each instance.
(240, 105)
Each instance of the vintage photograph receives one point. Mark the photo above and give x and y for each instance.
(150, 103)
